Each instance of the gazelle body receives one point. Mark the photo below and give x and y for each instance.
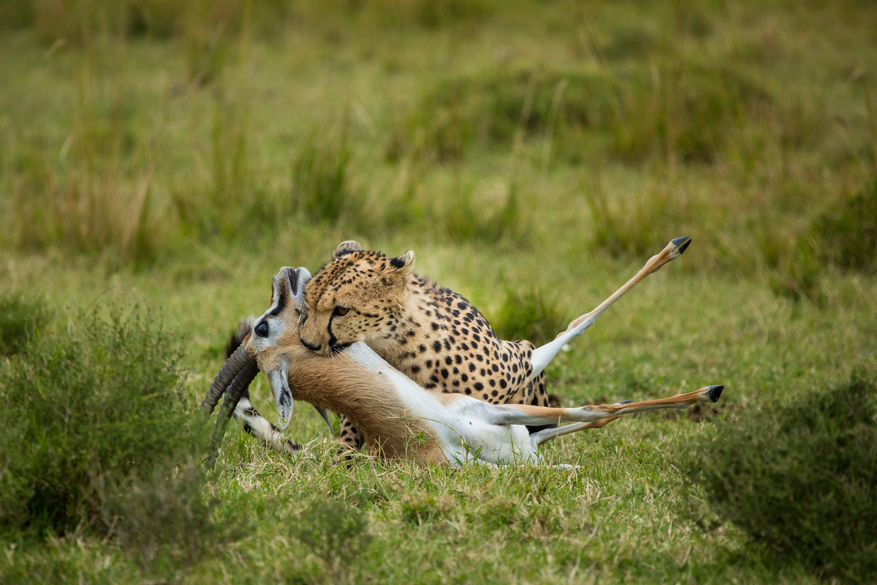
(399, 418)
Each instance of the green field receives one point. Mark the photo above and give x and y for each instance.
(533, 155)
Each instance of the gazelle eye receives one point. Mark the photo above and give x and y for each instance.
(262, 329)
(341, 311)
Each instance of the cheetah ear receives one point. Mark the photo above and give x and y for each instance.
(399, 268)
(348, 247)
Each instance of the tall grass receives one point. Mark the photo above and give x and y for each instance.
(321, 188)
(95, 193)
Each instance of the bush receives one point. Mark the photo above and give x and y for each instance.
(82, 413)
(21, 317)
(801, 480)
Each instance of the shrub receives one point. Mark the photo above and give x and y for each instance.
(801, 479)
(81, 412)
(21, 317)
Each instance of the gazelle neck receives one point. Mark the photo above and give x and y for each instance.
(393, 412)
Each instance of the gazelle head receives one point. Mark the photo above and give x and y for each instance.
(276, 331)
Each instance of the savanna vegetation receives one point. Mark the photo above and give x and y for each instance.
(159, 161)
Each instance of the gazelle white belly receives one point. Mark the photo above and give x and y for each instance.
(462, 428)
(473, 440)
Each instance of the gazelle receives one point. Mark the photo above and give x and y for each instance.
(399, 418)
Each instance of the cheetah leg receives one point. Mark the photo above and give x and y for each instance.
(542, 356)
(519, 414)
(351, 437)
(540, 398)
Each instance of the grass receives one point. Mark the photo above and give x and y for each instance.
(21, 319)
(178, 154)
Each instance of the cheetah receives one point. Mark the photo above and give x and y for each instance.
(430, 333)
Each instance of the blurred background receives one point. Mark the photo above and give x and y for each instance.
(139, 134)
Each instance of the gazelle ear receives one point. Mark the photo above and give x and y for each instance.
(298, 279)
(348, 247)
(399, 268)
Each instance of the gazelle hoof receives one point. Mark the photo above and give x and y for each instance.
(715, 392)
(681, 244)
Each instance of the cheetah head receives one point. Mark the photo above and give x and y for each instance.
(355, 297)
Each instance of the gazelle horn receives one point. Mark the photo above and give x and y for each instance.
(230, 400)
(240, 359)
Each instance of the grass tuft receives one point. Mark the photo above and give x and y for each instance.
(529, 313)
(685, 113)
(493, 108)
(321, 188)
(632, 226)
(465, 216)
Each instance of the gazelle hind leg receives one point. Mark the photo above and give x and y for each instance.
(543, 355)
(549, 434)
(533, 415)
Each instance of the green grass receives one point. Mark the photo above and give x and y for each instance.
(177, 155)
(22, 317)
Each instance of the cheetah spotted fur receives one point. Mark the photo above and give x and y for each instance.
(428, 332)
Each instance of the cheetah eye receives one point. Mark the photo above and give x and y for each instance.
(341, 311)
